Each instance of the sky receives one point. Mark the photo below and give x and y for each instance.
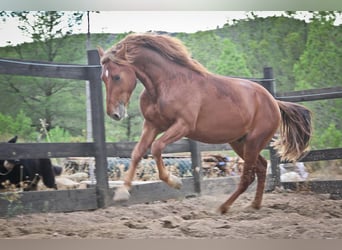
(171, 21)
(143, 21)
(139, 21)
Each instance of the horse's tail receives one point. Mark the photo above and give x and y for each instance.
(295, 131)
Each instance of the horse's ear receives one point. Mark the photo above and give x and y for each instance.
(100, 51)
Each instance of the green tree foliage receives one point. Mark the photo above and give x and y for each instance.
(320, 66)
(231, 62)
(331, 137)
(58, 134)
(321, 60)
(40, 98)
(205, 47)
(19, 125)
(220, 56)
(269, 42)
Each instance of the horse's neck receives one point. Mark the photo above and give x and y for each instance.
(152, 63)
(150, 67)
(148, 84)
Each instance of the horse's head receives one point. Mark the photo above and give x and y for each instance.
(120, 81)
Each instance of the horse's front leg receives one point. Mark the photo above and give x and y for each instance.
(148, 135)
(174, 133)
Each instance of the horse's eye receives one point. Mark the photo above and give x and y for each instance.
(116, 78)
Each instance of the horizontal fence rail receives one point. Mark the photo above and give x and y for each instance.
(86, 149)
(46, 69)
(124, 149)
(310, 95)
(322, 155)
(12, 151)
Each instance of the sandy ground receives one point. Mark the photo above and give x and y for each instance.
(283, 216)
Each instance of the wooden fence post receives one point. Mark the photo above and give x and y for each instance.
(268, 80)
(269, 84)
(97, 113)
(196, 164)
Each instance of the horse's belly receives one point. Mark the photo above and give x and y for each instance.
(214, 139)
(212, 131)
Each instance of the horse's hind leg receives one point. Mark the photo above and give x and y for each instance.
(247, 177)
(249, 150)
(261, 168)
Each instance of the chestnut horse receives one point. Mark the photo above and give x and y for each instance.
(183, 99)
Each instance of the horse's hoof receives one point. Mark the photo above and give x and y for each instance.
(255, 205)
(121, 194)
(174, 182)
(223, 209)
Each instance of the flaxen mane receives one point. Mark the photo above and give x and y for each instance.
(171, 48)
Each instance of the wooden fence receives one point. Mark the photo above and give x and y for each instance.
(101, 195)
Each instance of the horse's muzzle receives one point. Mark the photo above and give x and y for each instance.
(119, 113)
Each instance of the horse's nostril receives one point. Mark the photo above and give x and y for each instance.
(116, 116)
